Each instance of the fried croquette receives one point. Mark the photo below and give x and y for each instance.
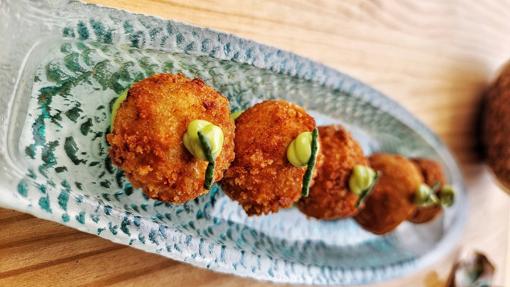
(392, 200)
(261, 178)
(433, 174)
(147, 137)
(496, 127)
(330, 197)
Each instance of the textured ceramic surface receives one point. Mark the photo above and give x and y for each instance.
(62, 65)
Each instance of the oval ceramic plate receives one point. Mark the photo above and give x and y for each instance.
(60, 71)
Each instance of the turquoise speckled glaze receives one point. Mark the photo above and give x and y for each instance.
(62, 65)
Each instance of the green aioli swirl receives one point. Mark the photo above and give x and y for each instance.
(301, 152)
(432, 196)
(362, 181)
(447, 195)
(204, 141)
(236, 114)
(362, 178)
(211, 132)
(425, 196)
(116, 105)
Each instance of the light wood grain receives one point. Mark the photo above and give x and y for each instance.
(433, 57)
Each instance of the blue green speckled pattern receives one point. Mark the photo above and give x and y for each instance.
(54, 151)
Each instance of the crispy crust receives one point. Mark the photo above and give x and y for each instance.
(330, 197)
(432, 173)
(261, 179)
(391, 201)
(146, 142)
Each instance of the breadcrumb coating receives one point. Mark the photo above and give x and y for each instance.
(392, 200)
(146, 141)
(261, 178)
(330, 197)
(432, 173)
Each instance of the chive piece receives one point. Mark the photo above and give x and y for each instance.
(365, 193)
(209, 172)
(209, 175)
(307, 178)
(436, 187)
(425, 196)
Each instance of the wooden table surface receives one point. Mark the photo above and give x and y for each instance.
(433, 57)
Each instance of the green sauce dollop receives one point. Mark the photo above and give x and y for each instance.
(211, 132)
(236, 114)
(300, 150)
(204, 141)
(362, 178)
(303, 151)
(447, 195)
(362, 182)
(425, 196)
(116, 105)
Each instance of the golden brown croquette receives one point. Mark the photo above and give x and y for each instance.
(330, 197)
(147, 137)
(392, 200)
(496, 127)
(261, 178)
(433, 174)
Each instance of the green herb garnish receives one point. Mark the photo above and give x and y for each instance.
(447, 196)
(307, 178)
(365, 193)
(425, 196)
(209, 172)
